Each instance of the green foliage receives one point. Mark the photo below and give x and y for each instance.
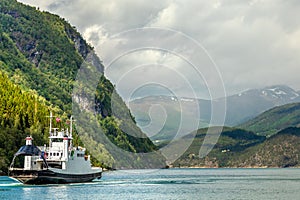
(280, 150)
(103, 97)
(117, 122)
(21, 114)
(231, 144)
(115, 134)
(38, 45)
(240, 148)
(10, 141)
(274, 120)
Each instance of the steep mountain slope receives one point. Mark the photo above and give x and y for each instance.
(42, 53)
(274, 120)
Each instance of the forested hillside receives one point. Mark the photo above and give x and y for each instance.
(240, 148)
(41, 51)
(274, 120)
(21, 114)
(41, 54)
(280, 150)
(231, 144)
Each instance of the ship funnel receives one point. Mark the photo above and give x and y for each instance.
(29, 140)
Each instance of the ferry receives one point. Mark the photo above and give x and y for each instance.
(59, 163)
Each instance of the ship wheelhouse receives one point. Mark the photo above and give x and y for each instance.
(29, 157)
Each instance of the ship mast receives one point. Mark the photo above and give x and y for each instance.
(50, 127)
(71, 129)
(71, 122)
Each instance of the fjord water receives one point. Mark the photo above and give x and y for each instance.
(169, 184)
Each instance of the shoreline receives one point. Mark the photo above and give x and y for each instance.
(200, 167)
(246, 167)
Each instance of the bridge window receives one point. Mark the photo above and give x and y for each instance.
(80, 155)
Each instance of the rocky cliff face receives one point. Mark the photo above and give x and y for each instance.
(86, 51)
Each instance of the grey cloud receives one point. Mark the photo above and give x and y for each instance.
(254, 43)
(115, 15)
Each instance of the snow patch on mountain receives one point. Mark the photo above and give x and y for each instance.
(187, 99)
(284, 93)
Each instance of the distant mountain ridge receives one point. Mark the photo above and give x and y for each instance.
(246, 105)
(282, 93)
(240, 107)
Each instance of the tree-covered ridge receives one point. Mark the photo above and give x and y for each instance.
(231, 144)
(45, 49)
(21, 114)
(41, 53)
(240, 148)
(274, 120)
(117, 123)
(280, 150)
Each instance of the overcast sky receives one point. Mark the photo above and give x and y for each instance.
(189, 47)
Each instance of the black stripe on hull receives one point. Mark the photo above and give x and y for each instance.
(49, 177)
